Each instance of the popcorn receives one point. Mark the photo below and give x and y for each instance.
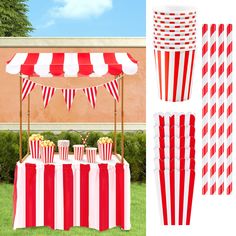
(105, 140)
(36, 137)
(47, 143)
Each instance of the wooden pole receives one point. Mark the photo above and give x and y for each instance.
(122, 120)
(28, 128)
(20, 135)
(115, 115)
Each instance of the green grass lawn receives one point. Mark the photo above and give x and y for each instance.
(138, 217)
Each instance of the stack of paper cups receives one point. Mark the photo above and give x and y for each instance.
(175, 166)
(47, 154)
(63, 148)
(78, 152)
(91, 154)
(174, 41)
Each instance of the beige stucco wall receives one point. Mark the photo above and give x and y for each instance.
(81, 112)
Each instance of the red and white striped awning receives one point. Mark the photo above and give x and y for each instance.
(72, 64)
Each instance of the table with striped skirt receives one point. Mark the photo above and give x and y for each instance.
(72, 193)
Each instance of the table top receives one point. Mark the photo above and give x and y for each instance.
(71, 160)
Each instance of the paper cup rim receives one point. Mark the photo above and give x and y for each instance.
(91, 148)
(78, 145)
(175, 10)
(65, 141)
(175, 22)
(175, 49)
(174, 43)
(174, 26)
(169, 114)
(173, 34)
(174, 17)
(176, 31)
(175, 39)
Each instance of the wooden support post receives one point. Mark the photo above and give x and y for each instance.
(122, 120)
(20, 134)
(28, 120)
(115, 115)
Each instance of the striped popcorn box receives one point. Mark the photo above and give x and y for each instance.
(34, 146)
(78, 152)
(105, 151)
(177, 142)
(174, 131)
(171, 119)
(47, 154)
(178, 164)
(177, 153)
(63, 148)
(174, 69)
(91, 154)
(175, 195)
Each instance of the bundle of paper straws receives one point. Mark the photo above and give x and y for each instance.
(217, 109)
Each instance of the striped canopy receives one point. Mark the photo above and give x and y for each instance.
(72, 64)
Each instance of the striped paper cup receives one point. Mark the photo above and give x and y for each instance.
(175, 27)
(78, 152)
(178, 164)
(174, 34)
(91, 154)
(174, 39)
(63, 148)
(175, 11)
(173, 43)
(47, 154)
(186, 142)
(177, 119)
(63, 143)
(174, 48)
(175, 30)
(174, 22)
(175, 153)
(174, 70)
(175, 194)
(105, 151)
(173, 18)
(175, 131)
(34, 146)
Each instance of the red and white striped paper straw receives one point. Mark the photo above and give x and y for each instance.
(213, 109)
(205, 115)
(221, 55)
(229, 108)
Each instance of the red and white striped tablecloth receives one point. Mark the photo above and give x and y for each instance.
(63, 195)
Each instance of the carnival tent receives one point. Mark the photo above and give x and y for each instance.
(72, 193)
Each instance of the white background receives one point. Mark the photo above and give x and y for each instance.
(211, 215)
